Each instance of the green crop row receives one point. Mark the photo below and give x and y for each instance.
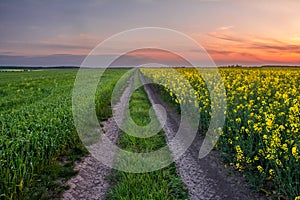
(36, 122)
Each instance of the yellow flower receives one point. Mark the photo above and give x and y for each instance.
(238, 120)
(278, 162)
(260, 169)
(285, 148)
(281, 127)
(295, 152)
(239, 167)
(265, 137)
(272, 173)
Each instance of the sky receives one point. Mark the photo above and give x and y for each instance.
(64, 32)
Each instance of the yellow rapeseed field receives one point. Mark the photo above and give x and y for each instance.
(260, 137)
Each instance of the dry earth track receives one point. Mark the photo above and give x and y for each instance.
(204, 178)
(91, 182)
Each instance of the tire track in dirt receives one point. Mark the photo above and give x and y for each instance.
(91, 181)
(204, 178)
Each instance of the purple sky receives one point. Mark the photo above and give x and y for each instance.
(63, 32)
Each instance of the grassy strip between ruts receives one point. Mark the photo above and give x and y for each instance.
(160, 184)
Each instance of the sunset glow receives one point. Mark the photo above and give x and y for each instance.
(232, 32)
